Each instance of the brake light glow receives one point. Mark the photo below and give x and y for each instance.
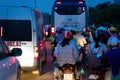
(83, 8)
(35, 49)
(52, 30)
(35, 52)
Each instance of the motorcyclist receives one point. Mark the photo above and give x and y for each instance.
(65, 53)
(113, 56)
(79, 63)
(113, 31)
(96, 50)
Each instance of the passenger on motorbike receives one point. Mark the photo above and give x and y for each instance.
(79, 62)
(65, 53)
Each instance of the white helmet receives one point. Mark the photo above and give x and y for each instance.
(112, 41)
(112, 29)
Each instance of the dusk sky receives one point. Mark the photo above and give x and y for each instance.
(46, 5)
(43, 5)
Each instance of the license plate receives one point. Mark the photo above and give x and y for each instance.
(68, 77)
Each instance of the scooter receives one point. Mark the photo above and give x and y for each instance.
(67, 72)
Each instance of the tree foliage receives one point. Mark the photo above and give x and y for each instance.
(105, 13)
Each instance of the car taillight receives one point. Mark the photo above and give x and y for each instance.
(35, 52)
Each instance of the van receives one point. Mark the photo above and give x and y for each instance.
(22, 27)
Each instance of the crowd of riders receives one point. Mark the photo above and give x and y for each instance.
(93, 49)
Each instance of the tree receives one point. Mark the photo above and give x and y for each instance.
(105, 13)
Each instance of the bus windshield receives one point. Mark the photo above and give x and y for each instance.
(69, 9)
(16, 30)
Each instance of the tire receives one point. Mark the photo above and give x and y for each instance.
(19, 74)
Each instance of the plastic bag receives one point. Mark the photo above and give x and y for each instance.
(82, 71)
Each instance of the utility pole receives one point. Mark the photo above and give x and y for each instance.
(87, 2)
(35, 4)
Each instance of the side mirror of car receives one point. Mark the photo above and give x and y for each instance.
(16, 52)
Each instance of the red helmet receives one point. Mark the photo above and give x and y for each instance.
(67, 34)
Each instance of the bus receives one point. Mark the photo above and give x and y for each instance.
(69, 14)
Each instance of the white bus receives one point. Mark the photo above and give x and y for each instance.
(69, 14)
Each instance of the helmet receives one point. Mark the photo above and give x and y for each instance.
(67, 34)
(112, 29)
(102, 28)
(112, 41)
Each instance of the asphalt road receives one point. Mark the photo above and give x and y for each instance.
(48, 69)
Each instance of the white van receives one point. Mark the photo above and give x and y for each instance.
(22, 27)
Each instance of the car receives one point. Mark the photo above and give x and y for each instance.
(9, 65)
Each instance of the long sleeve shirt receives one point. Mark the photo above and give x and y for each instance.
(66, 55)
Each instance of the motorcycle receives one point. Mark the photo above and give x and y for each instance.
(67, 72)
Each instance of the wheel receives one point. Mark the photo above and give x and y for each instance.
(19, 73)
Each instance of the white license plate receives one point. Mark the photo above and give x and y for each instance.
(68, 77)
